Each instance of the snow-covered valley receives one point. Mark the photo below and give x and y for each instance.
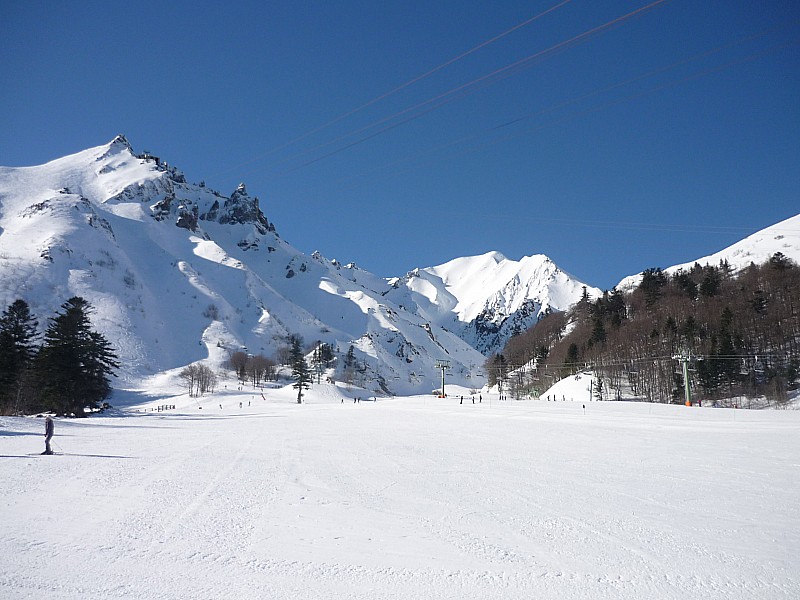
(411, 497)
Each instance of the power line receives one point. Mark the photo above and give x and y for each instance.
(455, 93)
(470, 87)
(417, 162)
(619, 101)
(402, 86)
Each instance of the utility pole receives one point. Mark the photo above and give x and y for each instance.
(684, 360)
(318, 360)
(443, 365)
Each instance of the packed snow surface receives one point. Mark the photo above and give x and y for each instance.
(415, 497)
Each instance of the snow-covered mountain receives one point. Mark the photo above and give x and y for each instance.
(783, 237)
(178, 272)
(486, 299)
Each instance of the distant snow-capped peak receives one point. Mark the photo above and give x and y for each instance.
(488, 298)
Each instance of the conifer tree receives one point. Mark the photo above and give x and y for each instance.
(300, 371)
(75, 362)
(17, 350)
(496, 369)
(350, 365)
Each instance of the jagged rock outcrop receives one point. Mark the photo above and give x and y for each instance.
(242, 209)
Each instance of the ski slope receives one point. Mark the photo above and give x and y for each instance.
(413, 497)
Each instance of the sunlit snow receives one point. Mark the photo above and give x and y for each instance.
(415, 497)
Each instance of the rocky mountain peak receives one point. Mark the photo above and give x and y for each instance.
(120, 142)
(241, 208)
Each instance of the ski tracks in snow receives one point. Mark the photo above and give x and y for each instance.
(385, 500)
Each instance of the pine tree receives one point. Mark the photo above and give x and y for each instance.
(598, 332)
(74, 363)
(350, 357)
(496, 369)
(350, 365)
(571, 360)
(17, 351)
(652, 284)
(300, 371)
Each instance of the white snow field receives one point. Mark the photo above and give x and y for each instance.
(403, 498)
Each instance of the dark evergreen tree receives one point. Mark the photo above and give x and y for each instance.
(617, 310)
(759, 302)
(496, 369)
(300, 371)
(598, 332)
(708, 372)
(727, 362)
(571, 360)
(652, 284)
(75, 362)
(779, 262)
(689, 331)
(17, 350)
(322, 357)
(350, 357)
(685, 284)
(326, 354)
(710, 286)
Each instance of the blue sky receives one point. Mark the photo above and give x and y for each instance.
(660, 138)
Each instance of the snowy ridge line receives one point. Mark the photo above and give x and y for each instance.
(179, 273)
(758, 248)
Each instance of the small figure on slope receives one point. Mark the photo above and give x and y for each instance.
(49, 428)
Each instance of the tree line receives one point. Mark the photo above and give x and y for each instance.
(257, 369)
(740, 333)
(65, 369)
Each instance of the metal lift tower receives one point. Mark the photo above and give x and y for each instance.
(443, 365)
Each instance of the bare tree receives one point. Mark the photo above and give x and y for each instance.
(199, 379)
(238, 362)
(259, 368)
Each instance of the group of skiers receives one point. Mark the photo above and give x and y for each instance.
(480, 399)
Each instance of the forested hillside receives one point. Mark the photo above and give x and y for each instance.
(740, 333)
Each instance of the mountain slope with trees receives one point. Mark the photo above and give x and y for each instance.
(179, 274)
(739, 332)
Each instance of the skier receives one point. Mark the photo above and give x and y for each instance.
(49, 426)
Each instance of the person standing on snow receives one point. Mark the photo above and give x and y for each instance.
(49, 428)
